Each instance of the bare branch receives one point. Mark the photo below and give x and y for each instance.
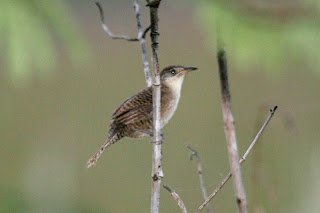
(194, 153)
(153, 3)
(107, 30)
(176, 198)
(272, 111)
(225, 180)
(145, 33)
(157, 173)
(141, 36)
(230, 131)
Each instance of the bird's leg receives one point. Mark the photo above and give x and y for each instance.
(161, 139)
(145, 131)
(150, 133)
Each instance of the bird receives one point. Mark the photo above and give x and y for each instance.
(134, 117)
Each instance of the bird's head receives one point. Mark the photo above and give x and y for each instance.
(174, 74)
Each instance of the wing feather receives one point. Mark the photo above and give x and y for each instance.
(135, 109)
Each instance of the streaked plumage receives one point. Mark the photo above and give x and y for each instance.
(136, 113)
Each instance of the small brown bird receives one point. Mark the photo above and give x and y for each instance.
(134, 118)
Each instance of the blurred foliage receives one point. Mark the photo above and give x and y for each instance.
(49, 130)
(264, 33)
(32, 31)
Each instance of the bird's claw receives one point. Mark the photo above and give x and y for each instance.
(161, 139)
(150, 133)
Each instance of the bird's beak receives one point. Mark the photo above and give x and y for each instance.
(188, 69)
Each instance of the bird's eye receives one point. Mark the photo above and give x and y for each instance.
(172, 72)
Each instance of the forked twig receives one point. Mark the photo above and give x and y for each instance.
(244, 157)
(194, 153)
(176, 198)
(124, 37)
(141, 37)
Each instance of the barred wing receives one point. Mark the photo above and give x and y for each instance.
(135, 109)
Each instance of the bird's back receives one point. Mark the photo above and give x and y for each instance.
(136, 112)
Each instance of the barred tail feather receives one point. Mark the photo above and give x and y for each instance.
(110, 140)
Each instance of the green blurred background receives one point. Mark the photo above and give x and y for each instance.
(62, 76)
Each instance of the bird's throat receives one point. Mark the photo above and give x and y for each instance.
(170, 97)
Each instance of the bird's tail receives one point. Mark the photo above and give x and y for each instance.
(110, 140)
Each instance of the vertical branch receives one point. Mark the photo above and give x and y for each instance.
(229, 129)
(142, 40)
(244, 157)
(157, 173)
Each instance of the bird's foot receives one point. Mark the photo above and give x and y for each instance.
(161, 139)
(150, 133)
(145, 131)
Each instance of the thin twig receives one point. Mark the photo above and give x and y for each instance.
(230, 131)
(194, 153)
(176, 198)
(144, 33)
(259, 134)
(141, 35)
(225, 180)
(157, 173)
(107, 30)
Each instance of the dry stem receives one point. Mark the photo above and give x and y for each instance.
(157, 173)
(200, 173)
(230, 131)
(225, 180)
(141, 37)
(176, 198)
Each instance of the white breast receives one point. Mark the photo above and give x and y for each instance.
(175, 87)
